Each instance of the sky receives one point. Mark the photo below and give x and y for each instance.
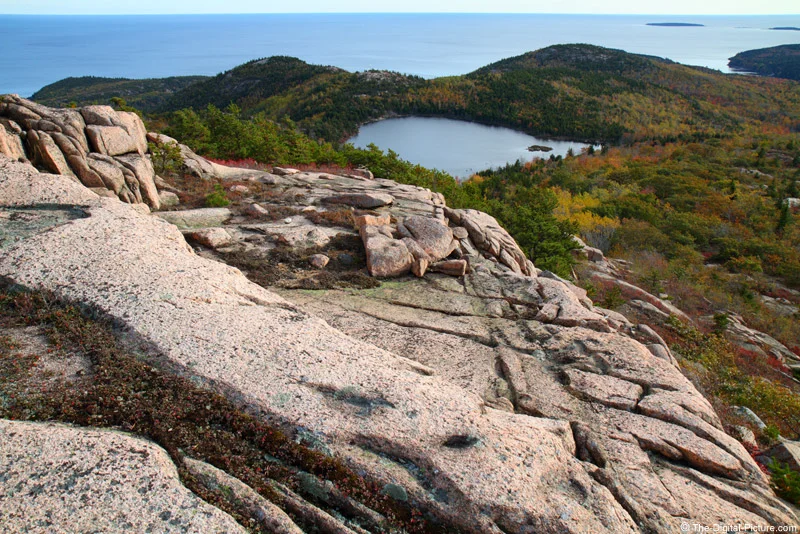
(687, 7)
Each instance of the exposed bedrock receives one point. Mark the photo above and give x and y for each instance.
(501, 400)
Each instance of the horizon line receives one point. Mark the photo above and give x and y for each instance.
(409, 13)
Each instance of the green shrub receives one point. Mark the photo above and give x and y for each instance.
(613, 298)
(166, 157)
(772, 433)
(217, 199)
(721, 322)
(744, 264)
(785, 482)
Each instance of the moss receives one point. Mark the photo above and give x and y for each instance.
(288, 267)
(126, 392)
(341, 218)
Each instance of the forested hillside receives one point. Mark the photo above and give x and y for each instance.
(142, 94)
(778, 61)
(581, 92)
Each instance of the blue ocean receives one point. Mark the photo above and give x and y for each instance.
(39, 50)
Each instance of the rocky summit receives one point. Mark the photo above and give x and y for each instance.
(478, 391)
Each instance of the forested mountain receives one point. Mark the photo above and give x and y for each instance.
(577, 91)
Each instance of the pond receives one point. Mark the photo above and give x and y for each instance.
(459, 148)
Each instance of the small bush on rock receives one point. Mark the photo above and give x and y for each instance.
(217, 199)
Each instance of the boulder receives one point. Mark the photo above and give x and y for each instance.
(632, 292)
(11, 142)
(110, 140)
(201, 167)
(256, 210)
(72, 125)
(68, 145)
(168, 199)
(755, 341)
(135, 127)
(459, 232)
(746, 436)
(450, 267)
(210, 237)
(318, 261)
(433, 237)
(21, 114)
(386, 257)
(372, 220)
(419, 267)
(9, 125)
(194, 164)
(100, 116)
(749, 415)
(284, 171)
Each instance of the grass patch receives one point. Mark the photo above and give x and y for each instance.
(125, 392)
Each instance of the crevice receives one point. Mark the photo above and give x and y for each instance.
(729, 495)
(437, 310)
(646, 386)
(701, 433)
(461, 441)
(587, 447)
(443, 491)
(491, 343)
(627, 502)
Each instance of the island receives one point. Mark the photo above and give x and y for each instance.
(675, 24)
(786, 28)
(539, 148)
(778, 61)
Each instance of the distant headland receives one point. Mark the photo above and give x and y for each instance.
(674, 24)
(786, 28)
(778, 61)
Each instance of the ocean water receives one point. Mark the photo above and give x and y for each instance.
(39, 50)
(458, 148)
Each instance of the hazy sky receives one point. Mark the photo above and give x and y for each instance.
(730, 7)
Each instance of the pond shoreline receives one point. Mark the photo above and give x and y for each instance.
(532, 133)
(457, 146)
